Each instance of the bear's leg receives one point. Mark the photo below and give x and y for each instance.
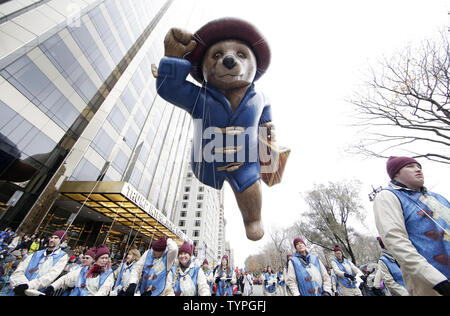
(249, 202)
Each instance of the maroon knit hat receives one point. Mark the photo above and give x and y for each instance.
(225, 256)
(297, 240)
(160, 244)
(61, 234)
(101, 250)
(223, 29)
(394, 164)
(205, 262)
(185, 247)
(91, 252)
(337, 248)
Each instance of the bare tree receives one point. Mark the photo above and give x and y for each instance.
(330, 208)
(254, 264)
(366, 249)
(281, 243)
(406, 105)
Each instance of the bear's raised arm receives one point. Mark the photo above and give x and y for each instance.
(178, 43)
(173, 87)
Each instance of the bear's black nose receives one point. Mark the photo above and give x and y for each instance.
(229, 62)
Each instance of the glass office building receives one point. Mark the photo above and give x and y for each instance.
(85, 142)
(200, 215)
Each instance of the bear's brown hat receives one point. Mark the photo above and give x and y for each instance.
(228, 28)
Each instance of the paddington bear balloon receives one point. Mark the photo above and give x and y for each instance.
(233, 131)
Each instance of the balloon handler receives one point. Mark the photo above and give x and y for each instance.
(234, 137)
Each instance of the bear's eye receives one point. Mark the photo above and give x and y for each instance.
(241, 55)
(217, 55)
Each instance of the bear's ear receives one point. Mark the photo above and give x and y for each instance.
(178, 43)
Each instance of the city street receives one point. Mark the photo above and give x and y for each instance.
(144, 149)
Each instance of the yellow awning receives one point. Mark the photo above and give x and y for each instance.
(121, 202)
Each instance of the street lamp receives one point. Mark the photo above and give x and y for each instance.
(374, 192)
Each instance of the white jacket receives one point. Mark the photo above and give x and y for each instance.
(248, 284)
(70, 280)
(233, 276)
(292, 283)
(48, 272)
(126, 275)
(172, 252)
(383, 274)
(94, 290)
(420, 277)
(350, 268)
(187, 284)
(66, 281)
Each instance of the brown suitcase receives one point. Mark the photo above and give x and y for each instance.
(272, 161)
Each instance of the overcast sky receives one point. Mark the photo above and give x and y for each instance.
(320, 52)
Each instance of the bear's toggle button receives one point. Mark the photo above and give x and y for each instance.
(230, 167)
(231, 130)
(227, 150)
(229, 62)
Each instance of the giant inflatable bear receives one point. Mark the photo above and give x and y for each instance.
(226, 56)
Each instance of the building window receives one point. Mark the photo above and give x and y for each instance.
(88, 45)
(187, 189)
(116, 118)
(85, 171)
(113, 11)
(26, 77)
(197, 223)
(195, 233)
(128, 99)
(201, 189)
(131, 138)
(120, 161)
(184, 205)
(183, 214)
(200, 197)
(105, 33)
(186, 197)
(189, 174)
(199, 205)
(103, 143)
(181, 223)
(198, 214)
(63, 59)
(19, 131)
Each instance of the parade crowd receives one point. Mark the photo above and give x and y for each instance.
(168, 270)
(414, 238)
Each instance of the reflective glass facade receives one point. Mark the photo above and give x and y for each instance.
(80, 104)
